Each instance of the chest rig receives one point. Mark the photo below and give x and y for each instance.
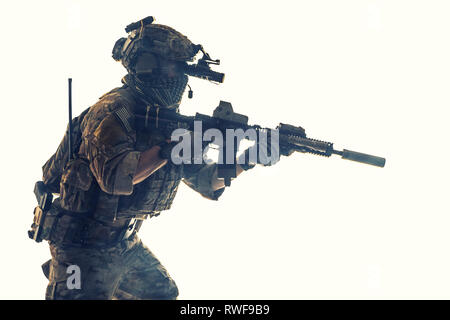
(157, 192)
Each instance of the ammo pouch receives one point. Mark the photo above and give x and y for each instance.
(76, 229)
(78, 193)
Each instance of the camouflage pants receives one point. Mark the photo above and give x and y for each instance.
(127, 271)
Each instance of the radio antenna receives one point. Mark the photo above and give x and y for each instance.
(70, 119)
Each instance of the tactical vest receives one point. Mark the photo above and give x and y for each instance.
(149, 197)
(80, 192)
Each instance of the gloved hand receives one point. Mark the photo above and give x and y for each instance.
(266, 152)
(177, 158)
(166, 149)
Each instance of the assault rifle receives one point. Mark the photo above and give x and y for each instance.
(290, 137)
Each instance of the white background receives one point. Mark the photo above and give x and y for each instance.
(370, 76)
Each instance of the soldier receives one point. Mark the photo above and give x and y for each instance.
(121, 174)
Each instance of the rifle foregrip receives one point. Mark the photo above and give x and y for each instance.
(364, 158)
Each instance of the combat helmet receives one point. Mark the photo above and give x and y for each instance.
(148, 42)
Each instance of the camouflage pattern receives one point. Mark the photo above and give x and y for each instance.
(98, 199)
(97, 189)
(128, 270)
(153, 39)
(112, 150)
(168, 43)
(53, 169)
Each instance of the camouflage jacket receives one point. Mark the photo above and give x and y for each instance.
(100, 180)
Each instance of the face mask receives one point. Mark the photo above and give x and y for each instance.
(159, 90)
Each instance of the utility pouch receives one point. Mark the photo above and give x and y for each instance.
(77, 192)
(41, 227)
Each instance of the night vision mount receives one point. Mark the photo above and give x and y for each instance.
(202, 68)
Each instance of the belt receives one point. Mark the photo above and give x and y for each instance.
(133, 226)
(87, 232)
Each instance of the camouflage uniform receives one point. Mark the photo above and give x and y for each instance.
(94, 222)
(98, 201)
(127, 270)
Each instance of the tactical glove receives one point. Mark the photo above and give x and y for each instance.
(177, 159)
(166, 149)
